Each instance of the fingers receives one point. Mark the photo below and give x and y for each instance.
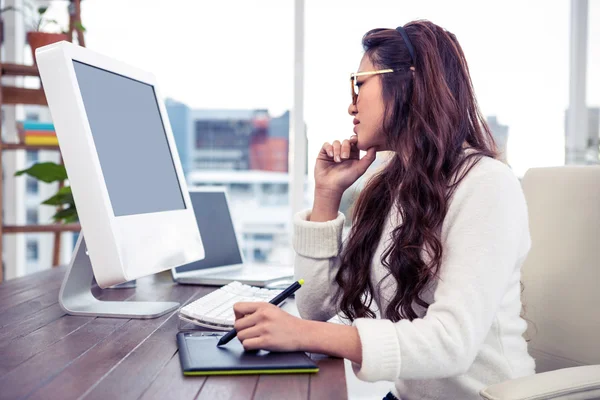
(246, 321)
(249, 333)
(244, 308)
(328, 149)
(337, 147)
(345, 149)
(256, 343)
(340, 151)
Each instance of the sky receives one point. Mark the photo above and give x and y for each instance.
(239, 54)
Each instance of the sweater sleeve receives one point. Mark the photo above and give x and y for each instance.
(317, 246)
(485, 237)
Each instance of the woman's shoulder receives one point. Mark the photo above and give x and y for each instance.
(488, 178)
(489, 193)
(483, 170)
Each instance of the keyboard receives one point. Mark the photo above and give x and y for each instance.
(215, 310)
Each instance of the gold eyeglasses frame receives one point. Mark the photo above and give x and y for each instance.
(354, 83)
(355, 75)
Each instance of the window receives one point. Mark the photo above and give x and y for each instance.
(32, 250)
(263, 237)
(239, 189)
(32, 156)
(75, 238)
(259, 255)
(230, 105)
(32, 185)
(32, 117)
(275, 194)
(525, 99)
(32, 216)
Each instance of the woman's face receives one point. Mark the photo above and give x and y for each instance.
(369, 109)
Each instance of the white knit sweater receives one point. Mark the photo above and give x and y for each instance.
(471, 335)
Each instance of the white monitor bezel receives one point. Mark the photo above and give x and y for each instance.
(125, 247)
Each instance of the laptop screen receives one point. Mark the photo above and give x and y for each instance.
(217, 231)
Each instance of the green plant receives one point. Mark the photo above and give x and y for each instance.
(41, 21)
(50, 172)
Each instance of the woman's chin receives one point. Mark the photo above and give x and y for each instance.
(362, 146)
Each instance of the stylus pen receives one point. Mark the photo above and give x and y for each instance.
(275, 300)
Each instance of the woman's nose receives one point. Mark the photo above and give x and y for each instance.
(352, 110)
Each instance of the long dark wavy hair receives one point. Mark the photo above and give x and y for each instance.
(429, 113)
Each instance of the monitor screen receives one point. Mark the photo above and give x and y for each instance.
(131, 142)
(219, 240)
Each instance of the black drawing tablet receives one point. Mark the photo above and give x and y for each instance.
(199, 355)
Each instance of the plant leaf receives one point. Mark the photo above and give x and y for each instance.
(80, 26)
(42, 10)
(67, 215)
(71, 220)
(46, 172)
(63, 196)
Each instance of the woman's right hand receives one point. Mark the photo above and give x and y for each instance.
(339, 165)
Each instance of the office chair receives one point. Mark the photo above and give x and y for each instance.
(561, 278)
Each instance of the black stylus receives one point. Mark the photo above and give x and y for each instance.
(275, 300)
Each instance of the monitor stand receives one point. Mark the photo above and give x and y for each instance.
(76, 296)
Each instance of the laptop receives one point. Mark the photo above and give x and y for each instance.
(224, 260)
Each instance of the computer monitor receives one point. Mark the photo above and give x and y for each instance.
(126, 177)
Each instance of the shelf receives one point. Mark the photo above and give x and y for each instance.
(9, 69)
(16, 95)
(12, 94)
(41, 228)
(19, 146)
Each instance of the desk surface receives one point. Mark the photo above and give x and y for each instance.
(47, 354)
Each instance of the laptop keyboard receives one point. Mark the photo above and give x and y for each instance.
(215, 310)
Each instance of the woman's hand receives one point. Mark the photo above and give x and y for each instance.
(339, 165)
(261, 325)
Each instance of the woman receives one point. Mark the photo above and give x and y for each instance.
(437, 241)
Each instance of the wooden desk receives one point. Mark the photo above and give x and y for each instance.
(47, 354)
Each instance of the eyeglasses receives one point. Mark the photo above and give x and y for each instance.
(354, 83)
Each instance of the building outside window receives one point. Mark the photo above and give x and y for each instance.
(32, 216)
(32, 185)
(32, 250)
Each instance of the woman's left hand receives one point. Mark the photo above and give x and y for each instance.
(264, 326)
